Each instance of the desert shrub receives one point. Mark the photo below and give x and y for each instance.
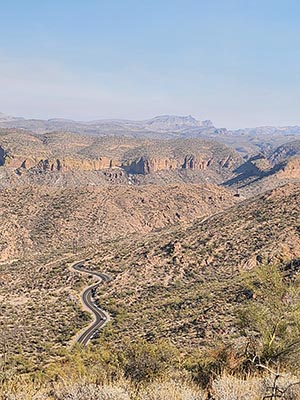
(94, 364)
(145, 361)
(212, 362)
(271, 318)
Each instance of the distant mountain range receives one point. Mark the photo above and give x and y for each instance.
(165, 125)
(247, 140)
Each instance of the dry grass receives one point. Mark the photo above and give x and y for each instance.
(121, 390)
(231, 388)
(174, 390)
(225, 387)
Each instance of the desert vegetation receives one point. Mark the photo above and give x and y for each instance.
(204, 298)
(190, 315)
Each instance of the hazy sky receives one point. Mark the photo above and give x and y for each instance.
(233, 61)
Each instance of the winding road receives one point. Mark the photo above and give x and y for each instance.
(100, 316)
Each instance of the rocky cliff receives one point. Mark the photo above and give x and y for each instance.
(142, 165)
(21, 164)
(149, 165)
(64, 158)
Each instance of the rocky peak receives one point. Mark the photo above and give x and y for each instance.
(173, 122)
(207, 123)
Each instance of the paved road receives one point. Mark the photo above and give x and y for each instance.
(101, 317)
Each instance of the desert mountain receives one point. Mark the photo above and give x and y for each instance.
(182, 281)
(68, 159)
(159, 215)
(285, 151)
(248, 142)
(165, 125)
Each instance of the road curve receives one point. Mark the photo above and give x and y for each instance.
(101, 317)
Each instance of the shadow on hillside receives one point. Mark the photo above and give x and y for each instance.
(249, 173)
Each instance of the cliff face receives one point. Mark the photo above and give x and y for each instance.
(142, 165)
(194, 163)
(23, 153)
(203, 162)
(63, 165)
(146, 165)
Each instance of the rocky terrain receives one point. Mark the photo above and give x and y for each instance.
(65, 159)
(68, 159)
(192, 230)
(192, 276)
(259, 174)
(160, 247)
(285, 151)
(43, 220)
(247, 141)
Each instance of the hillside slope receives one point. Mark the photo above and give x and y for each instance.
(64, 159)
(258, 174)
(44, 219)
(185, 283)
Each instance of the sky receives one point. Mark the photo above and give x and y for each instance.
(236, 62)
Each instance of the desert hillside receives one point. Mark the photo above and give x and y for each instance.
(182, 281)
(64, 159)
(193, 235)
(45, 219)
(149, 200)
(185, 283)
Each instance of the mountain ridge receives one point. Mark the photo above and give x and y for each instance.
(171, 120)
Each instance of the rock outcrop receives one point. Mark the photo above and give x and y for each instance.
(59, 165)
(285, 151)
(142, 165)
(145, 165)
(57, 155)
(195, 163)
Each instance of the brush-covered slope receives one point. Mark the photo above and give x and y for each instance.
(185, 283)
(35, 219)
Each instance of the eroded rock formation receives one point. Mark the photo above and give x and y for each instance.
(142, 165)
